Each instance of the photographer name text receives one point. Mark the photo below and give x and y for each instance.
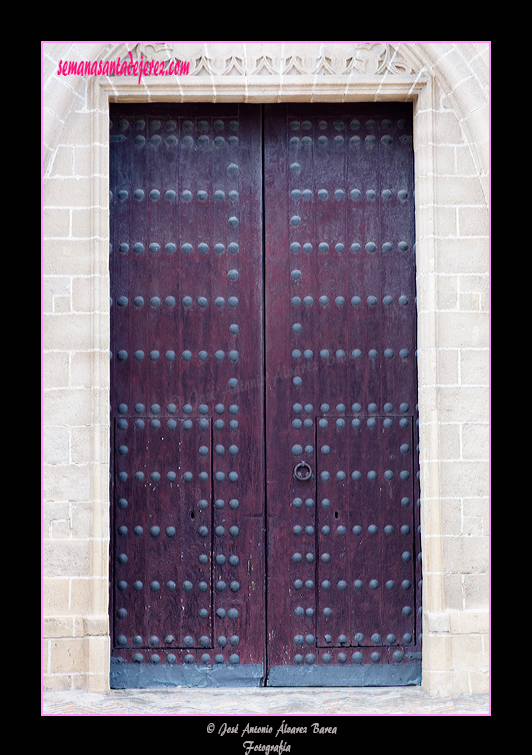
(250, 746)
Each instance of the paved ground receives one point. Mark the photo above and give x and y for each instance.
(220, 703)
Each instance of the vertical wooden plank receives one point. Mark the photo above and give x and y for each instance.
(237, 407)
(334, 533)
(290, 523)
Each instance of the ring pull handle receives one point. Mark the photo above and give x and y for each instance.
(302, 471)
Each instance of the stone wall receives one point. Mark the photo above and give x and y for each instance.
(448, 83)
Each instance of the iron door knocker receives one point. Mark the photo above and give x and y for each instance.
(302, 471)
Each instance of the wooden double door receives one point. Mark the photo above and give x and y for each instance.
(264, 485)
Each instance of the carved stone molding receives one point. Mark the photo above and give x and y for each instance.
(284, 59)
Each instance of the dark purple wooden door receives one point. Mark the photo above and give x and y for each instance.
(341, 396)
(187, 395)
(265, 526)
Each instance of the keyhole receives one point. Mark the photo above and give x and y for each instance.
(336, 515)
(192, 514)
